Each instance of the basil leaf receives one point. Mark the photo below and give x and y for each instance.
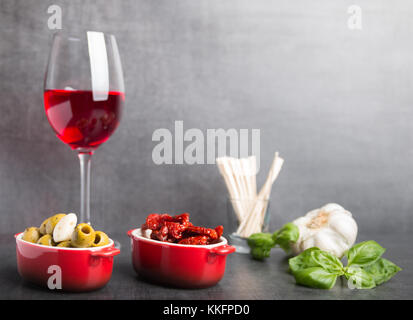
(382, 270)
(364, 253)
(359, 278)
(303, 261)
(328, 261)
(286, 235)
(261, 239)
(261, 245)
(315, 277)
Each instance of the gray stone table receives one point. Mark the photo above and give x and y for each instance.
(244, 278)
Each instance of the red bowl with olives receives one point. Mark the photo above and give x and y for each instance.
(69, 258)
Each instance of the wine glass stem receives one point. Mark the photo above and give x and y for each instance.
(85, 158)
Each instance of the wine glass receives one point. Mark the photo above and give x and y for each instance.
(83, 96)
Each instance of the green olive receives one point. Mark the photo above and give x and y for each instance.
(46, 240)
(42, 228)
(31, 234)
(65, 244)
(101, 239)
(51, 223)
(83, 236)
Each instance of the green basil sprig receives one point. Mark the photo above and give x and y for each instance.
(262, 243)
(286, 235)
(364, 253)
(316, 268)
(382, 270)
(365, 269)
(359, 278)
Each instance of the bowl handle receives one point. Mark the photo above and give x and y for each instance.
(107, 252)
(223, 250)
(130, 233)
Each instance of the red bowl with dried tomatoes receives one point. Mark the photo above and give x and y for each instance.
(176, 253)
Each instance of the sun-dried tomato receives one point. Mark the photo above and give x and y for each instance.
(175, 229)
(161, 234)
(153, 221)
(219, 230)
(181, 218)
(179, 229)
(202, 231)
(199, 240)
(166, 217)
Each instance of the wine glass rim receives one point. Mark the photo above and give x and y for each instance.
(77, 36)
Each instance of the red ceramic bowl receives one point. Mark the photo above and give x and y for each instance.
(187, 266)
(82, 269)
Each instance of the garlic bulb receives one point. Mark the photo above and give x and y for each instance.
(330, 228)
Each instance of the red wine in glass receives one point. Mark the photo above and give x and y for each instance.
(84, 95)
(79, 120)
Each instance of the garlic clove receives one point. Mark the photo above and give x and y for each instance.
(312, 214)
(65, 227)
(346, 226)
(329, 241)
(330, 207)
(308, 243)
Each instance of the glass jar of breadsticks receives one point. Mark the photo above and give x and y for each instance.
(248, 210)
(239, 228)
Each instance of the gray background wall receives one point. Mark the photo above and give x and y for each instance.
(336, 103)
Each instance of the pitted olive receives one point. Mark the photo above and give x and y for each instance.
(51, 223)
(42, 228)
(31, 234)
(46, 240)
(83, 236)
(101, 239)
(65, 244)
